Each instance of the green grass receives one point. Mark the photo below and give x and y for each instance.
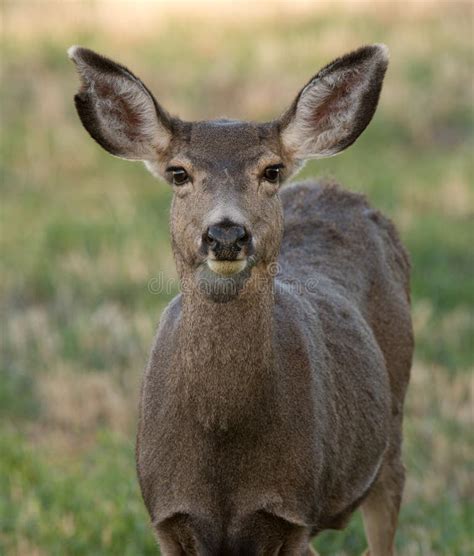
(84, 236)
(88, 507)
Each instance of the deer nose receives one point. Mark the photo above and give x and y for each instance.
(226, 239)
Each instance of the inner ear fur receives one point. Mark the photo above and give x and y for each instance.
(336, 105)
(117, 109)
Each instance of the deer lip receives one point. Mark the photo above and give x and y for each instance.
(226, 267)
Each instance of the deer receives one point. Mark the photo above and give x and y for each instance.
(271, 407)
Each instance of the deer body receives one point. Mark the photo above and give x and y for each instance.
(271, 406)
(291, 419)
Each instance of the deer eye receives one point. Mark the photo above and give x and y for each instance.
(272, 173)
(179, 176)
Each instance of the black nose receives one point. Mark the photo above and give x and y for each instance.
(226, 239)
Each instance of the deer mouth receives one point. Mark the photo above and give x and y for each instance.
(226, 267)
(221, 280)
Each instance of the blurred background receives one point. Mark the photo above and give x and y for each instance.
(84, 235)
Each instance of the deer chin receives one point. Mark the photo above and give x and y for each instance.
(223, 281)
(226, 268)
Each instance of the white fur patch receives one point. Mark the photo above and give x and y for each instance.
(225, 211)
(226, 268)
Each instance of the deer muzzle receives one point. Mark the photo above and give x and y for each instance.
(227, 247)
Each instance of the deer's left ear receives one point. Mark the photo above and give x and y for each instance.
(118, 110)
(336, 105)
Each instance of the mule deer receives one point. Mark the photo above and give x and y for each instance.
(272, 404)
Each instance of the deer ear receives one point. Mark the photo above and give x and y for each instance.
(336, 105)
(117, 109)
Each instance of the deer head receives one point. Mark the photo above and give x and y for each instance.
(226, 216)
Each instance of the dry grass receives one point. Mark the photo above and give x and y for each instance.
(434, 392)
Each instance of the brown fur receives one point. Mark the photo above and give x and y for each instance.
(272, 405)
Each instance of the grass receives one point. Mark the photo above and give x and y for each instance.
(84, 240)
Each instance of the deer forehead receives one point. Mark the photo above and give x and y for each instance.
(228, 146)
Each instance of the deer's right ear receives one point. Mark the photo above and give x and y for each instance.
(117, 109)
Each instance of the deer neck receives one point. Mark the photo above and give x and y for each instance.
(225, 352)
